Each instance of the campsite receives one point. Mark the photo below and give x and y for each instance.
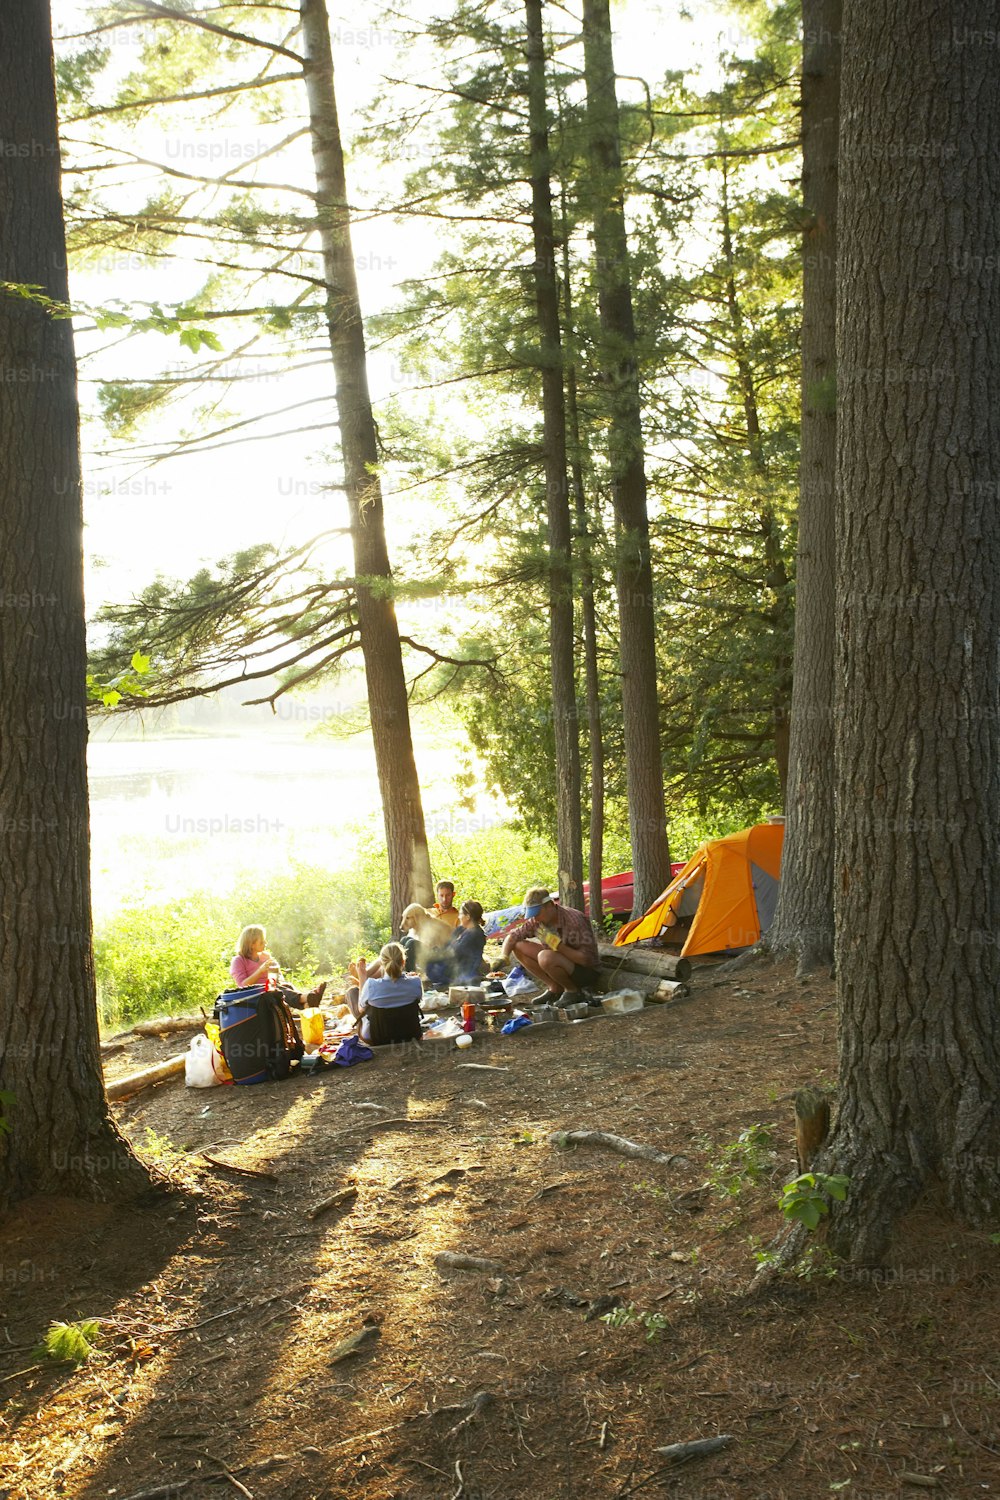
(499, 745)
(852, 1380)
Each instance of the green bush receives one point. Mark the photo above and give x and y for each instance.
(161, 960)
(174, 957)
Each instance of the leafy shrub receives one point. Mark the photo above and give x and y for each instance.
(173, 957)
(70, 1343)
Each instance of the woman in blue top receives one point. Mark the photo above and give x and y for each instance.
(388, 1006)
(465, 951)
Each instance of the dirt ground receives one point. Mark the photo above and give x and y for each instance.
(223, 1305)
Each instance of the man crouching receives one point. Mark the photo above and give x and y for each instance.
(556, 945)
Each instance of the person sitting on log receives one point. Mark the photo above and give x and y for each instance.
(556, 945)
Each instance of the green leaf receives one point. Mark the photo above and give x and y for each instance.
(140, 663)
(111, 697)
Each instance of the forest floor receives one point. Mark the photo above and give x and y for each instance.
(223, 1305)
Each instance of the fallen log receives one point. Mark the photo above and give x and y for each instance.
(617, 977)
(134, 1083)
(679, 1453)
(667, 990)
(161, 1026)
(608, 1142)
(346, 1195)
(649, 986)
(648, 960)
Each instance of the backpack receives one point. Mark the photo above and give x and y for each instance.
(257, 1033)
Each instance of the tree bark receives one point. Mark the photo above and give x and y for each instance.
(60, 1137)
(584, 550)
(917, 887)
(634, 574)
(569, 826)
(402, 809)
(803, 923)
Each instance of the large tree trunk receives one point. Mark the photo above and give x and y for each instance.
(406, 836)
(803, 923)
(585, 589)
(60, 1137)
(569, 834)
(917, 886)
(634, 573)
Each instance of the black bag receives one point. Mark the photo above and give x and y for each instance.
(257, 1034)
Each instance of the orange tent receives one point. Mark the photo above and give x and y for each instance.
(728, 890)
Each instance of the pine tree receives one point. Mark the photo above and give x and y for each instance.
(56, 1134)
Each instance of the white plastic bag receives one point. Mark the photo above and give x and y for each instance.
(199, 1072)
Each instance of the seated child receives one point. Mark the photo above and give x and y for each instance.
(388, 1005)
(252, 964)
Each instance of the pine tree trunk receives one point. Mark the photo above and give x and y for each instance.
(569, 828)
(588, 608)
(633, 567)
(402, 809)
(803, 923)
(61, 1138)
(917, 885)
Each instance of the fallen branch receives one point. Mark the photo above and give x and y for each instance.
(162, 1491)
(450, 1260)
(228, 1475)
(226, 1166)
(26, 1371)
(134, 1083)
(681, 1453)
(608, 1142)
(164, 1026)
(344, 1196)
(483, 1067)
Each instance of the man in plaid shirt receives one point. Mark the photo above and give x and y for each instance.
(556, 945)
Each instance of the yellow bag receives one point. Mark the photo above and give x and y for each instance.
(312, 1026)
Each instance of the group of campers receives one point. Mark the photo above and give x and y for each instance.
(444, 945)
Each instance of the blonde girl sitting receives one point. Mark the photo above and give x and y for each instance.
(388, 1004)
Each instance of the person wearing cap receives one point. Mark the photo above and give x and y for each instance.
(555, 944)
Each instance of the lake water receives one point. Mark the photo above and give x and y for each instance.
(173, 813)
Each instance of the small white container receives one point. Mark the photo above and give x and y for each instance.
(465, 1040)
